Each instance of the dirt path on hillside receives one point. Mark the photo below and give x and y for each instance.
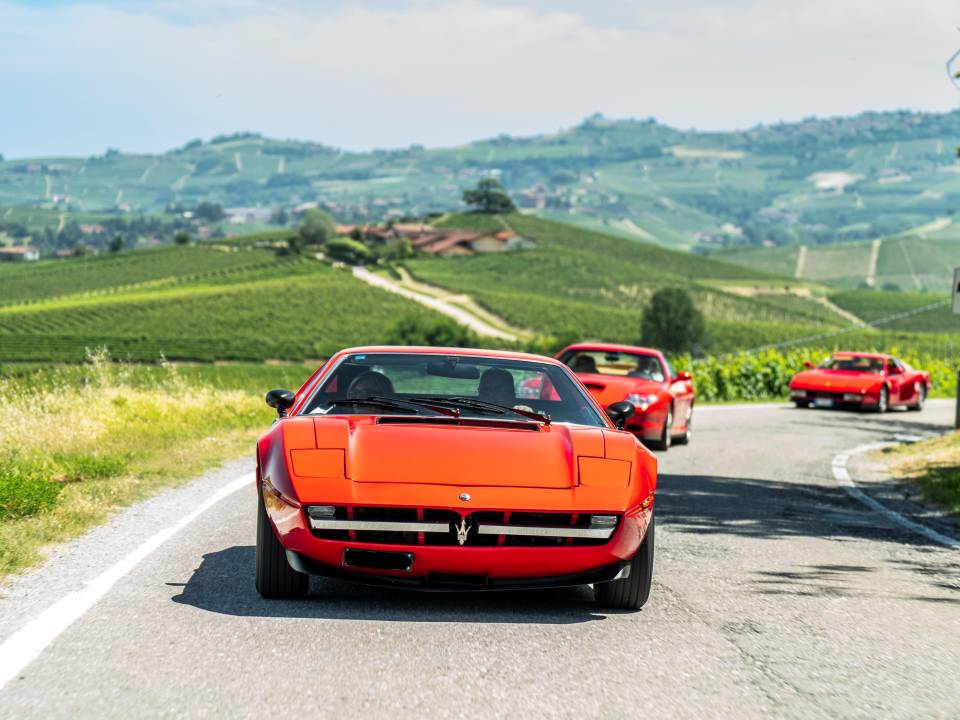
(460, 308)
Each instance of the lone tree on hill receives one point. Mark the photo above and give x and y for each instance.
(182, 237)
(672, 322)
(489, 197)
(317, 227)
(116, 245)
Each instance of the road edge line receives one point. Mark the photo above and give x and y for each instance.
(841, 474)
(28, 643)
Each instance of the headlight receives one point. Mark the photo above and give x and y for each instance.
(641, 401)
(798, 393)
(852, 397)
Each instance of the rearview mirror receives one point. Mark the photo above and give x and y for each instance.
(620, 412)
(683, 376)
(808, 365)
(280, 400)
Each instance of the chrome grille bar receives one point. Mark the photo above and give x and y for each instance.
(379, 525)
(560, 532)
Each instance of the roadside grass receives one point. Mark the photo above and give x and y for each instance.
(79, 443)
(933, 466)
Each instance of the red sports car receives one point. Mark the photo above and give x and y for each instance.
(860, 380)
(423, 468)
(642, 377)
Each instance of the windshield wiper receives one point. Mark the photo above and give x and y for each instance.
(483, 405)
(394, 404)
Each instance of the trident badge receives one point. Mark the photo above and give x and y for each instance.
(462, 531)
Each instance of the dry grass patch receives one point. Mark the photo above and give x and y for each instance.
(71, 453)
(934, 466)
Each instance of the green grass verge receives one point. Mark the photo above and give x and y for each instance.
(933, 466)
(78, 443)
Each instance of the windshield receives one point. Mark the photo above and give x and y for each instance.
(608, 362)
(853, 363)
(431, 384)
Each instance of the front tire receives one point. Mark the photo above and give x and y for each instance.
(275, 578)
(632, 592)
(684, 439)
(663, 443)
(921, 397)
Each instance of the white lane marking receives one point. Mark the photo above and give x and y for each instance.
(842, 475)
(704, 407)
(27, 643)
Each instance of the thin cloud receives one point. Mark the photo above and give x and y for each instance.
(82, 77)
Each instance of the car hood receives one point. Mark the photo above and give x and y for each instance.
(835, 381)
(614, 388)
(396, 451)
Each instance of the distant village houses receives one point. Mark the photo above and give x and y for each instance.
(441, 241)
(19, 253)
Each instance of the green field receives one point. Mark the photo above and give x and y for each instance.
(192, 304)
(239, 300)
(910, 262)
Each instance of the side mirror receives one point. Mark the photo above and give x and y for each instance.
(808, 365)
(683, 376)
(894, 370)
(280, 400)
(620, 412)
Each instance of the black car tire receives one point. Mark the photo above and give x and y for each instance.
(666, 436)
(684, 438)
(921, 397)
(802, 404)
(632, 592)
(883, 401)
(275, 578)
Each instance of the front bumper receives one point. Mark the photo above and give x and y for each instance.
(457, 582)
(830, 399)
(464, 567)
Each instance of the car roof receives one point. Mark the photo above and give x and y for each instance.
(611, 347)
(474, 352)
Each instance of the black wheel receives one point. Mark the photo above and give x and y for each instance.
(275, 578)
(632, 592)
(684, 439)
(883, 402)
(663, 443)
(802, 404)
(921, 397)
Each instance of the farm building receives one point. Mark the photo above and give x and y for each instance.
(19, 253)
(442, 241)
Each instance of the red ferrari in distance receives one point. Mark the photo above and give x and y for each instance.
(643, 378)
(426, 468)
(860, 380)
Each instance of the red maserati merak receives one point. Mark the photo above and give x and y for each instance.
(426, 468)
(860, 380)
(663, 400)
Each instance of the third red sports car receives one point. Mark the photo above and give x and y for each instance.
(643, 377)
(860, 380)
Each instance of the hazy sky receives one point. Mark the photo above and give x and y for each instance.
(78, 77)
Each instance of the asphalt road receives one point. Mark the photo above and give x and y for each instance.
(776, 594)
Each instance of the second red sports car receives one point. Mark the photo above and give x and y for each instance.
(860, 380)
(643, 377)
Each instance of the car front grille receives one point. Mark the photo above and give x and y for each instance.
(440, 527)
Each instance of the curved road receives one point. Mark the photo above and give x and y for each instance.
(776, 594)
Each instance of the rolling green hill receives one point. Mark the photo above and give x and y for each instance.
(903, 262)
(238, 300)
(816, 181)
(192, 303)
